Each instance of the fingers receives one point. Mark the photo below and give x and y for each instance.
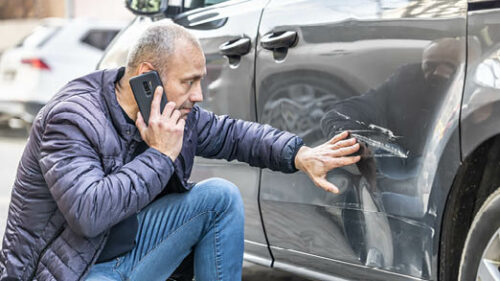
(141, 125)
(168, 110)
(339, 137)
(344, 161)
(326, 185)
(344, 151)
(176, 115)
(343, 143)
(169, 117)
(181, 123)
(155, 104)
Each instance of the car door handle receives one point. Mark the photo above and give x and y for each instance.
(237, 47)
(276, 40)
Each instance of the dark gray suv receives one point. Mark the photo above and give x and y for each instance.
(417, 82)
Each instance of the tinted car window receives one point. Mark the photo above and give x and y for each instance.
(193, 4)
(99, 38)
(213, 2)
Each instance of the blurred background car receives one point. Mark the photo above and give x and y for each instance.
(55, 52)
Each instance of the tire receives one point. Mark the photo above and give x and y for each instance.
(482, 246)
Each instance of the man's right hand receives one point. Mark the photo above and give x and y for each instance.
(165, 130)
(335, 153)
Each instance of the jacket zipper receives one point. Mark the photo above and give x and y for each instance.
(43, 252)
(96, 255)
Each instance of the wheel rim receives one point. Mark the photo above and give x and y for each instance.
(489, 266)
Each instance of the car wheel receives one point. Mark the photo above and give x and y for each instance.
(481, 255)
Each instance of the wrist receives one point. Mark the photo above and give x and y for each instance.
(298, 161)
(171, 155)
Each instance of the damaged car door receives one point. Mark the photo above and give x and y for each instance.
(390, 72)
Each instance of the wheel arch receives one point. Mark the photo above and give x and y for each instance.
(475, 179)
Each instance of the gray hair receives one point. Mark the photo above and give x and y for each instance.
(157, 44)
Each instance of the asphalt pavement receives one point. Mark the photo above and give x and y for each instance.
(12, 144)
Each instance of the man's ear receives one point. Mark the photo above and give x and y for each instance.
(144, 67)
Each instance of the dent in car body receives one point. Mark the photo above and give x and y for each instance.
(392, 73)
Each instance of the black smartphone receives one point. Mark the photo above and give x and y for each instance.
(144, 86)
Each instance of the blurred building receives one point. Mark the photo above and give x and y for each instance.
(36, 9)
(19, 17)
(31, 9)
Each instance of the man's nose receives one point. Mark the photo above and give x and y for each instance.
(197, 94)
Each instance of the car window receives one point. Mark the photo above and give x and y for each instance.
(99, 38)
(213, 2)
(193, 4)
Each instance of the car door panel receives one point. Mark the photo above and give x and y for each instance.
(391, 72)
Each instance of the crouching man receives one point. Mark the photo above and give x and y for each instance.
(100, 195)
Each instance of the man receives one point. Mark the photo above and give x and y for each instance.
(100, 195)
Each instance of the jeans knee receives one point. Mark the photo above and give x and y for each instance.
(226, 195)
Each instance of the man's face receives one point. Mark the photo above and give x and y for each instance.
(183, 75)
(441, 60)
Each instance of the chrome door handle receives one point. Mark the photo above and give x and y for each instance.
(238, 47)
(277, 40)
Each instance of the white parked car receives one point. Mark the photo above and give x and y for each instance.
(54, 53)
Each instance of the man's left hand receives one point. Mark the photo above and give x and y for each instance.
(317, 161)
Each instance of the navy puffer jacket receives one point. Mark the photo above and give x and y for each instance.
(77, 176)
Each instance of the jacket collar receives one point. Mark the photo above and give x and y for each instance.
(126, 130)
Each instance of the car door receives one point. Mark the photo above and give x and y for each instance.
(391, 72)
(227, 33)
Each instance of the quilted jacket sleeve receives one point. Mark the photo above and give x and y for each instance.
(256, 144)
(90, 200)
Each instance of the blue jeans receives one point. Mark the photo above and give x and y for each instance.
(207, 220)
